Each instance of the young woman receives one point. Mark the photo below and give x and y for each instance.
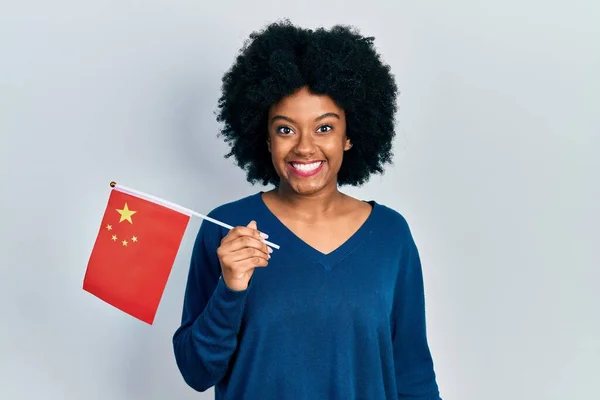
(338, 311)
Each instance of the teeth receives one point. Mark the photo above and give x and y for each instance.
(307, 167)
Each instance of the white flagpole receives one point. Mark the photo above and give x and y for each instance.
(176, 207)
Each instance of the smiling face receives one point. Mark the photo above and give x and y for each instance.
(307, 140)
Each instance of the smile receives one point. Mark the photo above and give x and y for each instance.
(306, 169)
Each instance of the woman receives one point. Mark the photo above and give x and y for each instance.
(338, 311)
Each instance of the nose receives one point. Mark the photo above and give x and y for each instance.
(305, 146)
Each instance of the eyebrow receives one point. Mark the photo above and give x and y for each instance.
(283, 117)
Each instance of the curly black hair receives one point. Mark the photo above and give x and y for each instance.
(282, 58)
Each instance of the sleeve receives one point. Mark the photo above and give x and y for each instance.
(415, 376)
(212, 313)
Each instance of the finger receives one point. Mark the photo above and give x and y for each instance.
(246, 253)
(252, 225)
(231, 260)
(243, 260)
(263, 236)
(253, 262)
(239, 231)
(245, 242)
(234, 259)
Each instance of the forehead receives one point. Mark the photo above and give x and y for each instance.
(304, 104)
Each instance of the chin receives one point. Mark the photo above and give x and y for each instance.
(306, 185)
(306, 189)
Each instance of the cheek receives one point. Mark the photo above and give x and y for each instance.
(334, 151)
(278, 153)
(281, 147)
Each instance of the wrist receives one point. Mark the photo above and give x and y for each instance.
(235, 285)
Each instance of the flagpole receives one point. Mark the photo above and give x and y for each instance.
(176, 207)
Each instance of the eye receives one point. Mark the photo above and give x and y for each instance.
(324, 128)
(284, 130)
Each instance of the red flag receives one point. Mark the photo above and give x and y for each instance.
(134, 253)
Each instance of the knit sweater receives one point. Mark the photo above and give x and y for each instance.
(345, 325)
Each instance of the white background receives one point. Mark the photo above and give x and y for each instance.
(496, 171)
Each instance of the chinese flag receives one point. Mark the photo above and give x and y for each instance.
(133, 254)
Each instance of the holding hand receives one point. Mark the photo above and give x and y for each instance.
(242, 250)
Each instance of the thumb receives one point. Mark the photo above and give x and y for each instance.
(252, 225)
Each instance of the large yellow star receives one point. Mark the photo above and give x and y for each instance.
(126, 214)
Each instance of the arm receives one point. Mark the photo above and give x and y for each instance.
(415, 376)
(212, 313)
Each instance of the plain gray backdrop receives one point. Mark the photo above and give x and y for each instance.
(495, 170)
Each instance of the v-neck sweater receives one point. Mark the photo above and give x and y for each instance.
(347, 325)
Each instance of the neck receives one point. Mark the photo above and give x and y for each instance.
(310, 206)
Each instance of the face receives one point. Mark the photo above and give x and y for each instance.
(307, 140)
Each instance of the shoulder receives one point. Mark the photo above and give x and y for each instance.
(390, 219)
(233, 213)
(208, 237)
(392, 227)
(392, 232)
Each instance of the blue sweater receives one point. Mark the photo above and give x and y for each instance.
(345, 325)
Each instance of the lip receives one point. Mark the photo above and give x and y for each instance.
(305, 174)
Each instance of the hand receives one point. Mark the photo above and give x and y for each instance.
(242, 250)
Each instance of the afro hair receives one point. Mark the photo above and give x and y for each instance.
(282, 58)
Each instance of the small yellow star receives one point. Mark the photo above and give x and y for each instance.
(134, 239)
(124, 242)
(114, 238)
(126, 214)
(109, 227)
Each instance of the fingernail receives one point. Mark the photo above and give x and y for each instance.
(264, 235)
(270, 250)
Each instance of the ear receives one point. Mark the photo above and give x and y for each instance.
(347, 145)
